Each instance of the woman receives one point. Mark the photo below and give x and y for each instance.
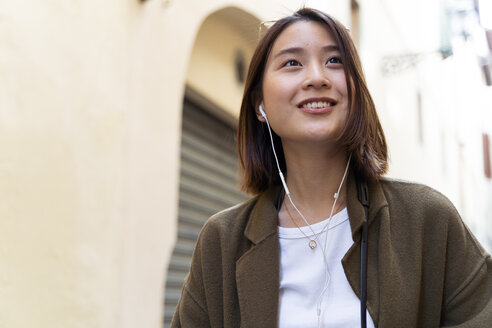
(312, 149)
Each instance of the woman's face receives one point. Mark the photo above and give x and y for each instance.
(304, 85)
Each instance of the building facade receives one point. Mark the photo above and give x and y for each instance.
(109, 113)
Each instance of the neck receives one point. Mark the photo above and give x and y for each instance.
(313, 177)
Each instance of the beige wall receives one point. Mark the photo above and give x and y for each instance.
(65, 120)
(89, 163)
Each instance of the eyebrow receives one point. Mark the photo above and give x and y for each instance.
(297, 50)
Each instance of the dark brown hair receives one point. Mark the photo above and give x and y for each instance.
(362, 135)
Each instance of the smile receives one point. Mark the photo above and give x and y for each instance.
(318, 104)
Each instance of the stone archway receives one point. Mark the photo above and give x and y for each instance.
(215, 78)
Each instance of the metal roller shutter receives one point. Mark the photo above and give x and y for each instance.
(208, 184)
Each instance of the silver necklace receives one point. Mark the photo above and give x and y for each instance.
(313, 242)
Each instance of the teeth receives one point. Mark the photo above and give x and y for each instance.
(319, 104)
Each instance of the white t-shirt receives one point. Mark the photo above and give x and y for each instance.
(303, 274)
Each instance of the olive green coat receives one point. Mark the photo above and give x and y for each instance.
(425, 269)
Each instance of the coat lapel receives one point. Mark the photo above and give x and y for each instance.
(257, 271)
(378, 206)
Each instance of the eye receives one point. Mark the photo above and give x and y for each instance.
(291, 63)
(334, 60)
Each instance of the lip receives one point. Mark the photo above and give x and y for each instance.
(321, 110)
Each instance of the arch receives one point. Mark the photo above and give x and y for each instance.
(221, 52)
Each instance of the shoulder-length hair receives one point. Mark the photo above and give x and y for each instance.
(362, 135)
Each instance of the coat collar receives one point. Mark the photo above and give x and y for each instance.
(257, 271)
(377, 200)
(351, 261)
(264, 217)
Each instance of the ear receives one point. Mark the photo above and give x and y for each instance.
(258, 114)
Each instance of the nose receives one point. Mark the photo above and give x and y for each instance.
(316, 77)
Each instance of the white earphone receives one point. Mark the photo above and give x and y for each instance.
(287, 192)
(262, 112)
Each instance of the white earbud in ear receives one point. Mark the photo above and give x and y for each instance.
(262, 111)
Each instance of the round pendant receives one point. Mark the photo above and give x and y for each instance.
(312, 244)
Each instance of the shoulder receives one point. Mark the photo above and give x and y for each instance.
(232, 215)
(425, 211)
(220, 241)
(417, 209)
(228, 223)
(417, 198)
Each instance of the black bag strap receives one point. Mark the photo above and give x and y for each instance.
(363, 195)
